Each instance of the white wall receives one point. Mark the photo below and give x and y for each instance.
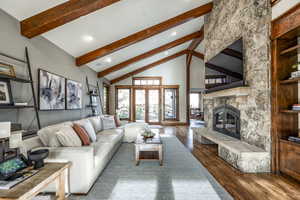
(197, 74)
(172, 72)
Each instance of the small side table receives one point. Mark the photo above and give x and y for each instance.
(32, 186)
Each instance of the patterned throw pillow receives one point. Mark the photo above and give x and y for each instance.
(108, 122)
(82, 134)
(68, 138)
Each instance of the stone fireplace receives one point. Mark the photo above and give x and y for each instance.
(248, 110)
(226, 120)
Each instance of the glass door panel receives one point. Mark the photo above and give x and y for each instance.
(140, 105)
(153, 106)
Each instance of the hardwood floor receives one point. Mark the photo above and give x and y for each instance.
(241, 186)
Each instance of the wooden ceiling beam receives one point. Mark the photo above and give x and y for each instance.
(147, 67)
(195, 43)
(149, 53)
(198, 55)
(144, 34)
(233, 53)
(224, 71)
(60, 15)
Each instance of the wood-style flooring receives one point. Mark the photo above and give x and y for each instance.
(241, 186)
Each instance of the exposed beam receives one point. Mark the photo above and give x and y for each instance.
(233, 53)
(60, 15)
(188, 85)
(273, 2)
(224, 71)
(166, 59)
(144, 34)
(149, 54)
(197, 40)
(198, 55)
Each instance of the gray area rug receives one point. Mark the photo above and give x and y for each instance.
(182, 177)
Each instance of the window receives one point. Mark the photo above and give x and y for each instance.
(147, 81)
(123, 102)
(105, 98)
(171, 106)
(195, 101)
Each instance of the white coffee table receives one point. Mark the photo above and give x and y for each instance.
(151, 144)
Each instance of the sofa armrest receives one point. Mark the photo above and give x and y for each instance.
(82, 159)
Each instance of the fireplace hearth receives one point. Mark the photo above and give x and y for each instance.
(226, 120)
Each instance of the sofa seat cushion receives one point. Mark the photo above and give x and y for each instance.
(110, 136)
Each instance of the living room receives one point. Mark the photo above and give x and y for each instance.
(177, 99)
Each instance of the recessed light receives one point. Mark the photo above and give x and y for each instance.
(87, 38)
(174, 33)
(108, 60)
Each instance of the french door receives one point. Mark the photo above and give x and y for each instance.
(147, 106)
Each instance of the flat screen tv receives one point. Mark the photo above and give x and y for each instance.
(229, 63)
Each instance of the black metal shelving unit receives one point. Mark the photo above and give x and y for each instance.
(28, 80)
(91, 94)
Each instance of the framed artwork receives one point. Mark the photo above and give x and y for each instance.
(74, 95)
(5, 93)
(7, 70)
(51, 91)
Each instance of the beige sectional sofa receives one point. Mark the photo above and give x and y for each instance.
(87, 161)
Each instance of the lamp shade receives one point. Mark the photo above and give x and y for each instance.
(15, 140)
(5, 129)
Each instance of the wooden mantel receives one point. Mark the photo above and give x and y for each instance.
(237, 92)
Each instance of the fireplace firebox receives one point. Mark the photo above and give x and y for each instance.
(226, 120)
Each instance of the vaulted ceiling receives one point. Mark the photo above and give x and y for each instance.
(94, 24)
(116, 38)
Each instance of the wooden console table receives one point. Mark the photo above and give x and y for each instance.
(32, 186)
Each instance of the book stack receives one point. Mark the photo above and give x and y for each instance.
(294, 139)
(296, 107)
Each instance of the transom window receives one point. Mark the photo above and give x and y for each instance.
(147, 81)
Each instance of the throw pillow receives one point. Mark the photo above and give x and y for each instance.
(88, 127)
(47, 134)
(117, 120)
(68, 138)
(108, 122)
(96, 122)
(82, 134)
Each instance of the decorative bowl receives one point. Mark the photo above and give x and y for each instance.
(38, 157)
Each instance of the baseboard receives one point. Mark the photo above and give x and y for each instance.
(170, 123)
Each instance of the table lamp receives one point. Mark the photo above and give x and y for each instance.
(5, 128)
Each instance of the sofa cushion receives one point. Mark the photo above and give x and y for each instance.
(68, 137)
(108, 122)
(96, 122)
(47, 134)
(110, 136)
(82, 134)
(87, 125)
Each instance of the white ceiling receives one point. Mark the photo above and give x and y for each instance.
(111, 24)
